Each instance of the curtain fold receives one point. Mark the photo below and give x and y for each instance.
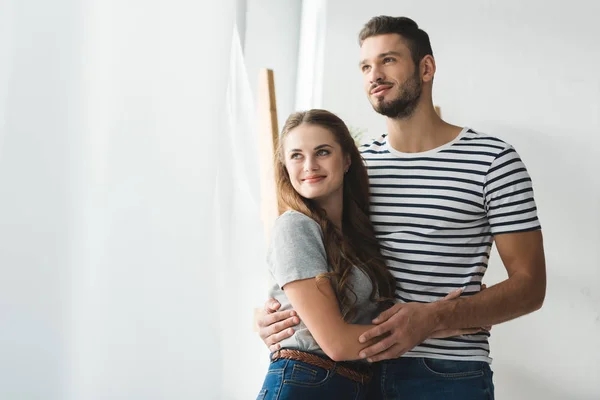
(240, 245)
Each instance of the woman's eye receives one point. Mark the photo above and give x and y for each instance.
(322, 152)
(295, 156)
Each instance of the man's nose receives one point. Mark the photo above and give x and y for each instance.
(377, 76)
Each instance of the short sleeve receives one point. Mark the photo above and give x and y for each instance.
(508, 195)
(297, 250)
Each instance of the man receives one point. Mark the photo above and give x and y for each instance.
(440, 196)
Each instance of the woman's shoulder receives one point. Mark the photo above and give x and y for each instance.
(296, 222)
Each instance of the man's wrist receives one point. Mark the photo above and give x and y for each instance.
(441, 312)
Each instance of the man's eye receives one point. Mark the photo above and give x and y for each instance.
(388, 60)
(365, 68)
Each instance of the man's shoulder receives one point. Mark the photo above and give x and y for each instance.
(374, 145)
(476, 139)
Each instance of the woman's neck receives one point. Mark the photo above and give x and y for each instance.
(334, 207)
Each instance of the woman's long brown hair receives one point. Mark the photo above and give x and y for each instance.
(356, 245)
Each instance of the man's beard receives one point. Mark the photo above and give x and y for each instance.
(406, 103)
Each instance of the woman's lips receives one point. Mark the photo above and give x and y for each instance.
(313, 179)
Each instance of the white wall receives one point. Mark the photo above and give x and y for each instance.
(528, 73)
(272, 41)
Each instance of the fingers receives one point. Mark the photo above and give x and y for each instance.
(375, 332)
(278, 336)
(377, 348)
(271, 305)
(393, 352)
(453, 332)
(445, 333)
(457, 332)
(282, 327)
(385, 315)
(453, 295)
(273, 348)
(275, 333)
(270, 319)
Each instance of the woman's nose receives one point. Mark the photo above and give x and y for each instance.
(311, 164)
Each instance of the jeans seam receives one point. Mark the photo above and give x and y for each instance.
(489, 383)
(262, 394)
(356, 390)
(282, 379)
(383, 369)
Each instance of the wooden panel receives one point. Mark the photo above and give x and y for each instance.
(268, 138)
(268, 132)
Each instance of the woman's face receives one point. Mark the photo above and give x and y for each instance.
(315, 162)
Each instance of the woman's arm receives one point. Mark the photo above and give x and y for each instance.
(317, 306)
(296, 257)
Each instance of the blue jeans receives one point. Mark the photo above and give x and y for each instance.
(409, 378)
(291, 379)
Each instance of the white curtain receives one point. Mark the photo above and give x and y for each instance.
(309, 85)
(114, 149)
(240, 244)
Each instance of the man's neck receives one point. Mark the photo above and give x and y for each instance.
(422, 131)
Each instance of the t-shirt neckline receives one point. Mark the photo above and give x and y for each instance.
(427, 152)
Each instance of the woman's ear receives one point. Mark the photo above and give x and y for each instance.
(347, 163)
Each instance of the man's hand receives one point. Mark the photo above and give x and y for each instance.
(274, 326)
(407, 325)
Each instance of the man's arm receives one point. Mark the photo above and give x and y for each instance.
(275, 326)
(523, 292)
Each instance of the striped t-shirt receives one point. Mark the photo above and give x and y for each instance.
(435, 214)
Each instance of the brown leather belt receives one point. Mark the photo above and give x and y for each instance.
(357, 373)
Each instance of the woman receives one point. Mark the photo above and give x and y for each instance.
(325, 260)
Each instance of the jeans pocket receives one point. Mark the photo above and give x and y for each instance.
(451, 369)
(303, 374)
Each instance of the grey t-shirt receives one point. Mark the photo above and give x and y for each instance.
(297, 252)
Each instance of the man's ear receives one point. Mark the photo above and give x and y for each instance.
(427, 66)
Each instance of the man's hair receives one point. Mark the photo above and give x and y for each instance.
(417, 39)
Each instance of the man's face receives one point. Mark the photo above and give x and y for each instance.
(391, 80)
